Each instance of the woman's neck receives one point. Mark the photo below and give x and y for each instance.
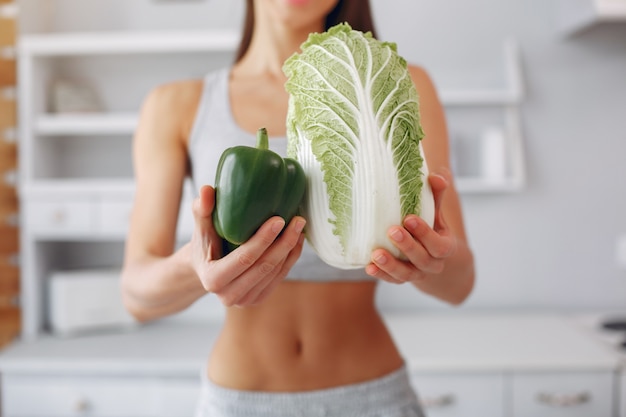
(271, 45)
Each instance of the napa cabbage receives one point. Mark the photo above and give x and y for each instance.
(353, 124)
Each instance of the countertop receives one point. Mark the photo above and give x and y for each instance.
(460, 342)
(500, 342)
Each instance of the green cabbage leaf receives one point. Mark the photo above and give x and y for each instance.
(353, 124)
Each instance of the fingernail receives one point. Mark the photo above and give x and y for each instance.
(442, 177)
(396, 235)
(411, 223)
(380, 259)
(300, 225)
(371, 269)
(278, 226)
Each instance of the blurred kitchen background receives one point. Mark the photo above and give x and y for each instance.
(535, 94)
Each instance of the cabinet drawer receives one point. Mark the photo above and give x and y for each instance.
(28, 396)
(178, 398)
(461, 395)
(114, 216)
(63, 217)
(580, 394)
(622, 394)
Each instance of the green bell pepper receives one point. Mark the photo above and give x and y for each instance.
(252, 185)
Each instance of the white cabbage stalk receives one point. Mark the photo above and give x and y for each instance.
(353, 124)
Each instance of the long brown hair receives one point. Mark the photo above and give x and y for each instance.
(355, 12)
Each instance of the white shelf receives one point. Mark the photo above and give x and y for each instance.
(611, 9)
(86, 124)
(509, 99)
(478, 98)
(89, 186)
(511, 95)
(124, 42)
(576, 15)
(78, 187)
(477, 185)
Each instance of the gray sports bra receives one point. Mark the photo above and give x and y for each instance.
(214, 130)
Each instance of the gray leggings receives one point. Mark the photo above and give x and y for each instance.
(389, 396)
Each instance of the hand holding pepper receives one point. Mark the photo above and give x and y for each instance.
(251, 185)
(247, 275)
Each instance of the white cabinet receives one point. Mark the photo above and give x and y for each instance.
(575, 15)
(466, 365)
(58, 216)
(154, 371)
(461, 394)
(76, 177)
(621, 391)
(572, 394)
(518, 394)
(63, 396)
(507, 365)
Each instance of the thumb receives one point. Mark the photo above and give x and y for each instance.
(439, 182)
(203, 207)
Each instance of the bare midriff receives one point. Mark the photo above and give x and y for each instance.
(305, 336)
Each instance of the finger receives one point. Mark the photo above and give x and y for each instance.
(374, 271)
(239, 261)
(377, 268)
(253, 296)
(269, 270)
(378, 273)
(270, 285)
(436, 244)
(394, 270)
(205, 201)
(416, 250)
(202, 209)
(439, 183)
(293, 257)
(273, 266)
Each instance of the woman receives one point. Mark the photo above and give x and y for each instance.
(299, 337)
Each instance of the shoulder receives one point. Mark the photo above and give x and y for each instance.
(172, 106)
(173, 95)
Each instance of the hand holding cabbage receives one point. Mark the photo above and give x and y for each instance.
(353, 124)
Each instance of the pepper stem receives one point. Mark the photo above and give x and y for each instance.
(261, 139)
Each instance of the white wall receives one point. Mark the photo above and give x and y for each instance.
(93, 15)
(553, 245)
(550, 246)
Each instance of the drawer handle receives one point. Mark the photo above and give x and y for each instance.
(58, 217)
(563, 400)
(82, 405)
(440, 401)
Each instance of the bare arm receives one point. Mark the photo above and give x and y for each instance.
(156, 280)
(159, 280)
(440, 260)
